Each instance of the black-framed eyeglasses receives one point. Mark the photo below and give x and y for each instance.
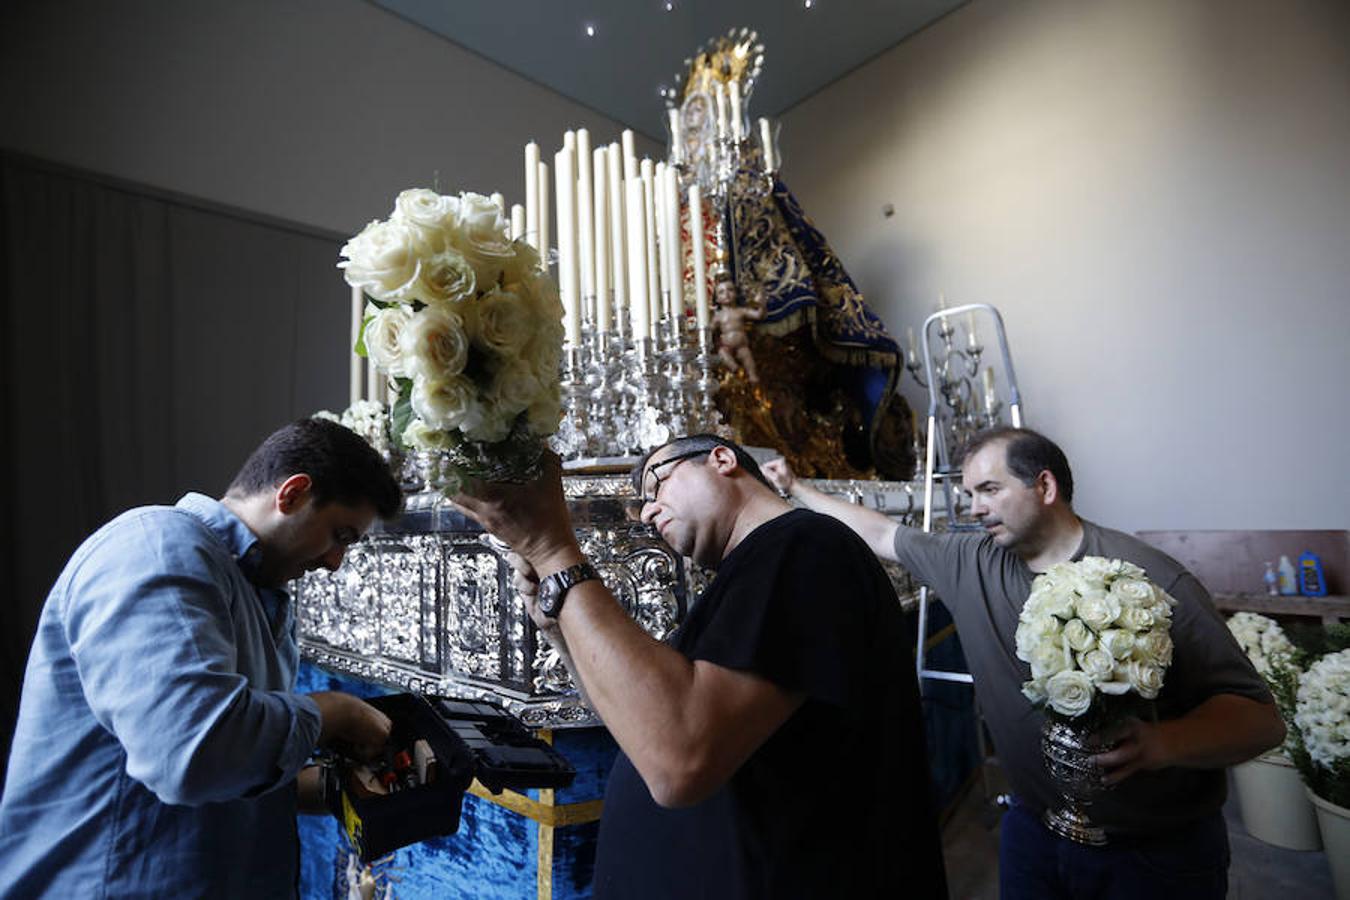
(649, 492)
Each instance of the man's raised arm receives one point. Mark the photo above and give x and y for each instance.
(873, 527)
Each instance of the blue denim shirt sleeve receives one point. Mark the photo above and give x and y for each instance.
(194, 726)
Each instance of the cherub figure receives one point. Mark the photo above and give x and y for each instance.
(730, 322)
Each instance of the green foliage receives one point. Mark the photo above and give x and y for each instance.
(401, 413)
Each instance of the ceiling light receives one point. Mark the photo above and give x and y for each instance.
(670, 6)
(808, 3)
(590, 31)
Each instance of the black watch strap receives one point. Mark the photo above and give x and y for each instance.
(553, 589)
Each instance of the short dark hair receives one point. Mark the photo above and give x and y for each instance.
(341, 465)
(1029, 453)
(693, 443)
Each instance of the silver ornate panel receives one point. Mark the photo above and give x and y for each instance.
(426, 603)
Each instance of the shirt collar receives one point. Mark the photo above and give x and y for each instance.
(228, 528)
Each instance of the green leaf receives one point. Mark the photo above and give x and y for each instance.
(360, 348)
(402, 412)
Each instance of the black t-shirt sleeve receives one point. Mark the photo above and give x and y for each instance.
(797, 605)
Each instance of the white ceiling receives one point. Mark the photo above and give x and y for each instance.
(639, 45)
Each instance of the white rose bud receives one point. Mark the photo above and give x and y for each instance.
(1034, 690)
(1079, 636)
(1070, 693)
(383, 260)
(434, 344)
(1097, 664)
(516, 386)
(480, 234)
(446, 403)
(1098, 611)
(1117, 642)
(1031, 631)
(1133, 592)
(384, 334)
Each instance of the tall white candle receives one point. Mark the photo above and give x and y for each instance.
(564, 170)
(672, 187)
(766, 143)
(639, 312)
(585, 223)
(532, 194)
(734, 89)
(618, 234)
(517, 221)
(971, 336)
(601, 238)
(354, 373)
(662, 238)
(913, 347)
(698, 240)
(544, 217)
(653, 277)
(990, 398)
(570, 140)
(676, 141)
(498, 199)
(630, 166)
(721, 96)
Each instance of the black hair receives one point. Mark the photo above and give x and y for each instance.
(341, 466)
(700, 442)
(1029, 453)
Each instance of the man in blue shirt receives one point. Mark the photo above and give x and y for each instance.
(159, 742)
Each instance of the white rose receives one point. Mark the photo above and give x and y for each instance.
(522, 266)
(426, 209)
(493, 425)
(1050, 657)
(1098, 611)
(1070, 693)
(446, 403)
(384, 260)
(384, 333)
(1097, 664)
(1133, 618)
(1049, 598)
(1133, 592)
(1034, 690)
(434, 344)
(1117, 642)
(1032, 630)
(504, 322)
(516, 386)
(545, 413)
(446, 277)
(1079, 636)
(1145, 678)
(422, 436)
(480, 234)
(1154, 646)
(1096, 570)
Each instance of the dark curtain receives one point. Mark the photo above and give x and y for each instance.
(149, 342)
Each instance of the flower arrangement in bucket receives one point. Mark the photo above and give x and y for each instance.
(467, 326)
(1322, 721)
(1096, 635)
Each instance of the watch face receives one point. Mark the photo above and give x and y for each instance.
(549, 595)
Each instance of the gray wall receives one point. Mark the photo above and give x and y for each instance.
(316, 111)
(1156, 195)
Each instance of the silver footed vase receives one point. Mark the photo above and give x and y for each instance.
(1067, 746)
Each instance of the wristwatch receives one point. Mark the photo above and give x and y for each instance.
(553, 589)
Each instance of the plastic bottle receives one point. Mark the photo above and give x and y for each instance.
(1311, 581)
(1271, 579)
(1288, 577)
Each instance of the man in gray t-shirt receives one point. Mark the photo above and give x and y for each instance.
(1166, 835)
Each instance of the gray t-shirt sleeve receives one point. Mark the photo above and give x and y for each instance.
(937, 560)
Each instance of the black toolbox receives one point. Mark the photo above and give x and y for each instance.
(468, 739)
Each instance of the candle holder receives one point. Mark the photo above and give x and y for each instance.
(646, 425)
(570, 441)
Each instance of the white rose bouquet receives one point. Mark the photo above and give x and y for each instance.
(468, 327)
(1322, 718)
(1263, 640)
(1092, 627)
(368, 419)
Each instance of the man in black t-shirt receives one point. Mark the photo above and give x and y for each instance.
(775, 748)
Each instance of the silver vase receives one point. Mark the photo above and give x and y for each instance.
(1068, 748)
